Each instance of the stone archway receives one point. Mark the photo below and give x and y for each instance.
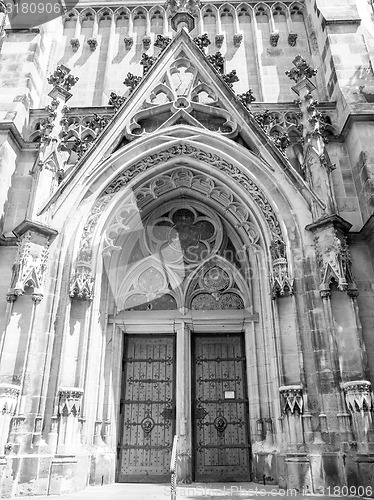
(180, 174)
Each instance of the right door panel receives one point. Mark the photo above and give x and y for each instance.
(220, 409)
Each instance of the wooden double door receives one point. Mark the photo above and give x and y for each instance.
(219, 408)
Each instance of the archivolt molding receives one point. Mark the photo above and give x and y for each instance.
(181, 151)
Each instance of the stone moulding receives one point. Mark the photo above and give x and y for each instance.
(358, 395)
(292, 398)
(153, 160)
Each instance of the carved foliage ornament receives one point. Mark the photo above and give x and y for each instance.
(301, 70)
(62, 78)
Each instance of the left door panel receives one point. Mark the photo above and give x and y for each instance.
(147, 409)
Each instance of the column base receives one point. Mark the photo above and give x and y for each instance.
(265, 468)
(44, 474)
(365, 465)
(298, 472)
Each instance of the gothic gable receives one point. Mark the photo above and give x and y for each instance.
(182, 86)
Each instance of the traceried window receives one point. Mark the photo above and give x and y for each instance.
(182, 259)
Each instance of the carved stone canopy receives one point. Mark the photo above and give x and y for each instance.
(301, 70)
(358, 395)
(70, 400)
(292, 398)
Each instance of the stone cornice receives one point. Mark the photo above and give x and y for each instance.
(14, 134)
(365, 233)
(37, 227)
(364, 116)
(335, 219)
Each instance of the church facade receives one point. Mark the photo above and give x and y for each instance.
(186, 249)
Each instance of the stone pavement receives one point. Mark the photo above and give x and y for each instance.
(203, 491)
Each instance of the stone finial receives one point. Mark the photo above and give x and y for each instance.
(61, 78)
(292, 398)
(302, 70)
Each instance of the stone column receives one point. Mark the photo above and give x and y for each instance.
(69, 408)
(183, 404)
(359, 401)
(292, 403)
(287, 336)
(297, 463)
(20, 349)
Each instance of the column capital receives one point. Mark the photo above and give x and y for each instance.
(292, 396)
(70, 400)
(358, 395)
